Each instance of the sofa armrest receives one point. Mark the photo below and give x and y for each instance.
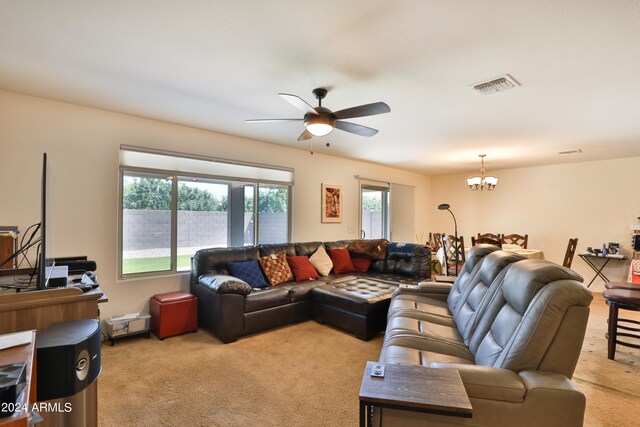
(483, 382)
(433, 290)
(540, 381)
(224, 284)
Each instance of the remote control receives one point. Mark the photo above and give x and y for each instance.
(377, 370)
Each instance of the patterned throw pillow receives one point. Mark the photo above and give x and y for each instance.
(249, 271)
(321, 261)
(276, 269)
(302, 268)
(341, 261)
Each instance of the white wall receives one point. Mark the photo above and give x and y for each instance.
(83, 147)
(594, 201)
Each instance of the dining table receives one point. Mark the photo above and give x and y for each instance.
(527, 253)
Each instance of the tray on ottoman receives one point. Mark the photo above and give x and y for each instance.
(356, 304)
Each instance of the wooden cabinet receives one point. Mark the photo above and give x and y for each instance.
(7, 248)
(22, 353)
(37, 310)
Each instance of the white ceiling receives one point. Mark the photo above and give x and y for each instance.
(212, 64)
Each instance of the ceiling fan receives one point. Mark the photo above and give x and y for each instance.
(320, 121)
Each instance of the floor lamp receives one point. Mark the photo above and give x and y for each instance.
(445, 207)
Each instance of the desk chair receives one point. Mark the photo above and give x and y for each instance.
(571, 250)
(515, 239)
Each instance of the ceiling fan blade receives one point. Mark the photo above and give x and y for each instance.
(298, 102)
(305, 135)
(363, 110)
(357, 129)
(271, 120)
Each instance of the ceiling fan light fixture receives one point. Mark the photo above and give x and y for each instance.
(319, 125)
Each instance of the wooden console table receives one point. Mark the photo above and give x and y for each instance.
(39, 309)
(414, 388)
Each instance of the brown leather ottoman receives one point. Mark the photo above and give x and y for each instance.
(173, 313)
(356, 304)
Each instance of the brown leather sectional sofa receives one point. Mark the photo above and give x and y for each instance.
(512, 327)
(356, 302)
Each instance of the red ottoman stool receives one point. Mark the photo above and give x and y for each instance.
(173, 314)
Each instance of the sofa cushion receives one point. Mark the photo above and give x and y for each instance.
(274, 248)
(301, 291)
(215, 260)
(266, 298)
(276, 268)
(337, 244)
(408, 259)
(307, 248)
(423, 350)
(249, 271)
(321, 261)
(518, 329)
(341, 261)
(302, 268)
(360, 264)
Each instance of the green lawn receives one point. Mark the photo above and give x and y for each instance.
(143, 265)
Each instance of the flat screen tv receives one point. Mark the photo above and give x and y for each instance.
(46, 258)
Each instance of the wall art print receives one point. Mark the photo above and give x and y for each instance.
(331, 203)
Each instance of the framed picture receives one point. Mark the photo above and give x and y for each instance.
(331, 203)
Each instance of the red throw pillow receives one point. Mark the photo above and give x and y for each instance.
(361, 264)
(302, 268)
(341, 261)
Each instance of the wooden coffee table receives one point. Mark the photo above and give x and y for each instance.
(414, 388)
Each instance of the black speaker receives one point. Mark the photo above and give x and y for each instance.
(77, 266)
(68, 358)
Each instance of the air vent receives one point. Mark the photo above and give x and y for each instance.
(575, 151)
(499, 84)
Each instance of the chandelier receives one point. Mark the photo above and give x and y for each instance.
(481, 182)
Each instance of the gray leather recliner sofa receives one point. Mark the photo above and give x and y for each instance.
(512, 327)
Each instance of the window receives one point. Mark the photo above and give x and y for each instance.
(374, 212)
(146, 223)
(273, 218)
(203, 217)
(166, 216)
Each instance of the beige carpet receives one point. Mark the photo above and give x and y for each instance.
(303, 375)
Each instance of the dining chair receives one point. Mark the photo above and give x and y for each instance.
(571, 250)
(435, 241)
(487, 240)
(489, 236)
(515, 239)
(452, 247)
